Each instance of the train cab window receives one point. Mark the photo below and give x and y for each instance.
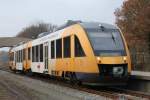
(78, 48)
(67, 47)
(12, 56)
(41, 52)
(59, 48)
(37, 54)
(29, 53)
(52, 49)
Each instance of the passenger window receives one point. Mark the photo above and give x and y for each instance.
(29, 53)
(59, 48)
(37, 54)
(67, 47)
(41, 52)
(24, 54)
(32, 54)
(21, 55)
(17, 56)
(52, 50)
(78, 48)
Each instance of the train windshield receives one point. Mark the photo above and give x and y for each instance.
(106, 42)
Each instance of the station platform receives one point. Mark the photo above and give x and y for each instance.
(139, 81)
(140, 75)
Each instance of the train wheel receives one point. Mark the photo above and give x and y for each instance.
(71, 76)
(75, 79)
(14, 71)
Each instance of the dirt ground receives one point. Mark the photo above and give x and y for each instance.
(16, 87)
(10, 89)
(19, 87)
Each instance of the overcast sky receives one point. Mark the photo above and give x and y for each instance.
(17, 14)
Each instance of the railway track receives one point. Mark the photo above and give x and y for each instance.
(113, 93)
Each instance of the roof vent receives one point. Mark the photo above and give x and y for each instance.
(69, 23)
(102, 27)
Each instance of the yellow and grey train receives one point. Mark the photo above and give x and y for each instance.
(89, 52)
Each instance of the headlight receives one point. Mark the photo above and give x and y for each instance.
(98, 58)
(125, 59)
(118, 70)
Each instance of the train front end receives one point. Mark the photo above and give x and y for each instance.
(111, 53)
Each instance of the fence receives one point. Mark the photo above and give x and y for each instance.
(140, 60)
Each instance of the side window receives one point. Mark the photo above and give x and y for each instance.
(78, 48)
(29, 53)
(24, 54)
(21, 55)
(59, 48)
(41, 52)
(37, 54)
(17, 56)
(67, 47)
(52, 50)
(13, 56)
(32, 54)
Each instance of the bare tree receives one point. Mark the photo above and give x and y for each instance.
(34, 30)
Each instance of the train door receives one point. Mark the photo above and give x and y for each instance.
(24, 61)
(15, 58)
(46, 56)
(52, 56)
(19, 64)
(29, 59)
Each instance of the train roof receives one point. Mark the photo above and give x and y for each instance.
(96, 25)
(87, 25)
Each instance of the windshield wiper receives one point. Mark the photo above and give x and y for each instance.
(113, 37)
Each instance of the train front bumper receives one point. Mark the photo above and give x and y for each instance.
(97, 79)
(109, 74)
